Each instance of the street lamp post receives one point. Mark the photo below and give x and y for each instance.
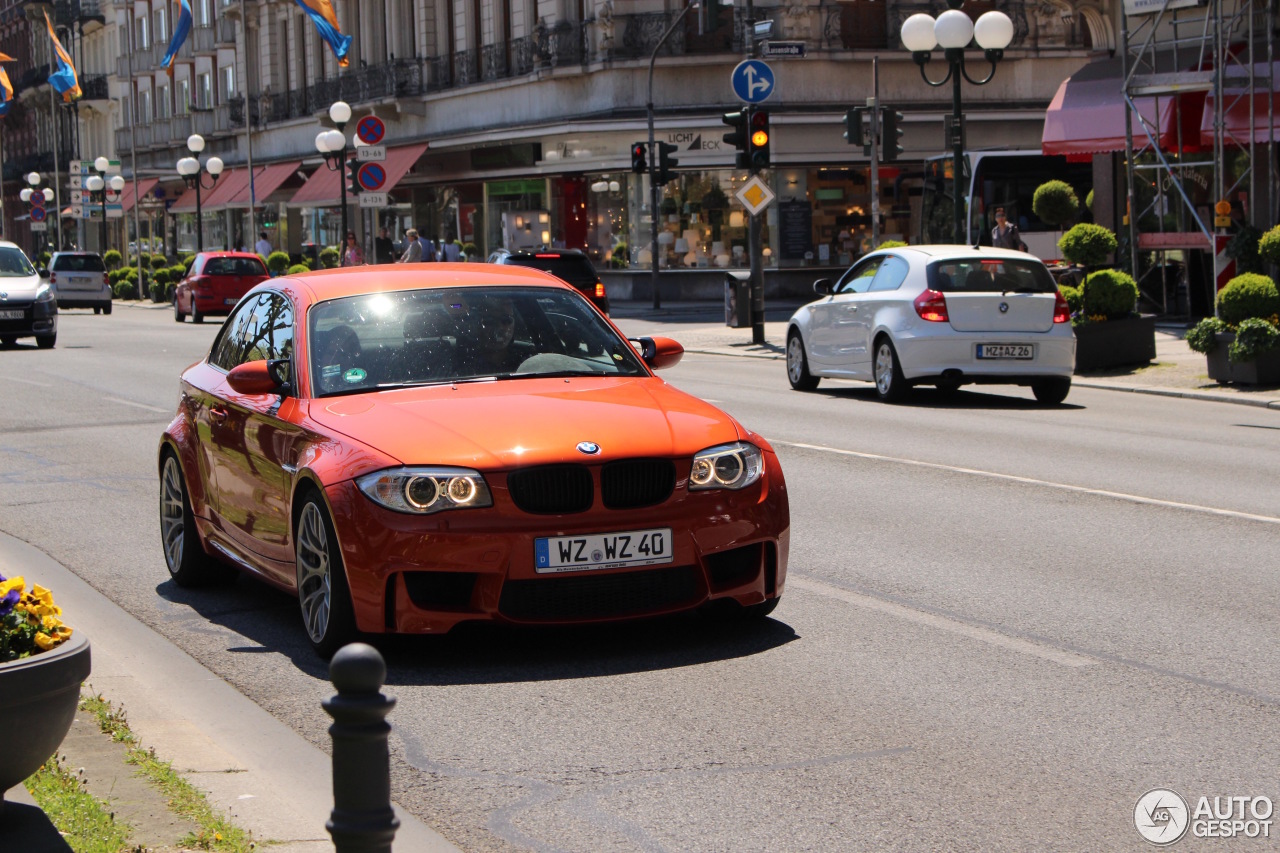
(333, 145)
(189, 169)
(953, 31)
(99, 187)
(28, 192)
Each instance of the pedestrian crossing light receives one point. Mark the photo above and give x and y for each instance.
(666, 163)
(639, 157)
(738, 136)
(890, 133)
(353, 171)
(759, 140)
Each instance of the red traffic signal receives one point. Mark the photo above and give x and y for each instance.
(639, 157)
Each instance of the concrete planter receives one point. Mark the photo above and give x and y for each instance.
(38, 699)
(1115, 343)
(1264, 370)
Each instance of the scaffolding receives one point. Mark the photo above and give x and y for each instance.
(1205, 60)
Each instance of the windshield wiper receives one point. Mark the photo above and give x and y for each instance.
(1021, 290)
(426, 383)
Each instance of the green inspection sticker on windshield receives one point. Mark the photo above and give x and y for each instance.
(354, 375)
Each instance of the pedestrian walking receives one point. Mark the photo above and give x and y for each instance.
(263, 246)
(451, 251)
(352, 256)
(1005, 235)
(413, 248)
(384, 251)
(428, 249)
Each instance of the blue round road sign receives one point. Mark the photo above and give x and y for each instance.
(752, 81)
(37, 214)
(372, 176)
(371, 129)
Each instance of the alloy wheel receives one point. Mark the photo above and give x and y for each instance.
(795, 359)
(172, 518)
(315, 580)
(884, 368)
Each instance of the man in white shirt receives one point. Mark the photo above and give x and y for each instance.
(452, 251)
(263, 246)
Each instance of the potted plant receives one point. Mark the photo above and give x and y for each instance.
(1109, 331)
(1242, 343)
(42, 665)
(1056, 204)
(278, 263)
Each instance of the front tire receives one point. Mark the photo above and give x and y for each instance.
(798, 365)
(1051, 392)
(189, 565)
(891, 385)
(323, 594)
(47, 341)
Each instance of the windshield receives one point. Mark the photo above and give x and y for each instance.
(78, 263)
(13, 263)
(988, 275)
(427, 337)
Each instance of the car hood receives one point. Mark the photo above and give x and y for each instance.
(516, 423)
(20, 287)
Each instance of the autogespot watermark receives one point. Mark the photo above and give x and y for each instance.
(1162, 817)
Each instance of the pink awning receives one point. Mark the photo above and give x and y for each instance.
(128, 199)
(186, 202)
(1237, 128)
(323, 189)
(266, 180)
(229, 185)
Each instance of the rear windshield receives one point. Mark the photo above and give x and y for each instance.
(78, 263)
(234, 266)
(575, 269)
(987, 275)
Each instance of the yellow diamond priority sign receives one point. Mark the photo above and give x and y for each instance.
(755, 195)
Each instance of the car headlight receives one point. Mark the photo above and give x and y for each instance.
(422, 491)
(45, 294)
(727, 466)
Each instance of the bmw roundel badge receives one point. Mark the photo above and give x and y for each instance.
(588, 447)
(1004, 307)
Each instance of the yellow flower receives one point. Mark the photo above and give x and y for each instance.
(13, 583)
(45, 642)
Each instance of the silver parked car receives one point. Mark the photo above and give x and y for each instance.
(28, 308)
(79, 280)
(937, 315)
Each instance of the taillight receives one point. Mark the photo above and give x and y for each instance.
(53, 278)
(1061, 310)
(932, 306)
(599, 290)
(106, 280)
(199, 283)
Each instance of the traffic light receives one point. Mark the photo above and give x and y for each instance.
(853, 133)
(666, 162)
(639, 157)
(738, 120)
(890, 133)
(759, 140)
(353, 175)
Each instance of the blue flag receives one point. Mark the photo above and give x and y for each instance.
(181, 30)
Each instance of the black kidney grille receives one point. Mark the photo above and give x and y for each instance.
(607, 596)
(552, 489)
(633, 483)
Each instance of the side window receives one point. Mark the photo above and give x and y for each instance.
(858, 279)
(228, 345)
(269, 333)
(891, 274)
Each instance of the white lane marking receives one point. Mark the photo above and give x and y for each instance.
(943, 623)
(1066, 487)
(137, 405)
(29, 382)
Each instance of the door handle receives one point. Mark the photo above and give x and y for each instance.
(218, 412)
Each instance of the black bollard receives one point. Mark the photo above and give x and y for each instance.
(362, 820)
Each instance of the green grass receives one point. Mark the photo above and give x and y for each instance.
(86, 822)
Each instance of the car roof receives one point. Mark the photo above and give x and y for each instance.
(354, 281)
(954, 251)
(231, 255)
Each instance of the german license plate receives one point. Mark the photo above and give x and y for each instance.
(230, 301)
(11, 315)
(602, 551)
(1015, 351)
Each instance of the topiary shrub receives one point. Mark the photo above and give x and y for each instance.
(1055, 202)
(157, 292)
(329, 258)
(1088, 202)
(1254, 337)
(111, 259)
(131, 275)
(277, 262)
(1088, 244)
(1269, 246)
(298, 269)
(187, 261)
(1075, 299)
(1109, 293)
(161, 276)
(125, 290)
(1243, 249)
(470, 250)
(44, 258)
(158, 261)
(168, 291)
(1248, 295)
(892, 244)
(1202, 337)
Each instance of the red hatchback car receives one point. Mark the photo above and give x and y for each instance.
(215, 284)
(407, 448)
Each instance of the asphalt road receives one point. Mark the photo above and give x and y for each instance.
(1003, 623)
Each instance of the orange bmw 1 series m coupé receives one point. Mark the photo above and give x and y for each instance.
(407, 448)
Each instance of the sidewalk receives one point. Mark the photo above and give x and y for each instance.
(1178, 371)
(272, 781)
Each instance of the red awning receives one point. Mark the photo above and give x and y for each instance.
(266, 180)
(128, 199)
(323, 189)
(186, 202)
(229, 185)
(1237, 128)
(1087, 115)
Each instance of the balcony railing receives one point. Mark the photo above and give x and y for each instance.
(203, 39)
(95, 87)
(212, 122)
(226, 28)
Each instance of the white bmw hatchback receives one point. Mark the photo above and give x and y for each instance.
(937, 315)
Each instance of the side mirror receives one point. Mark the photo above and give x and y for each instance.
(659, 353)
(823, 287)
(260, 377)
(43, 271)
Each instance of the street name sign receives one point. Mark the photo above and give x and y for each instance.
(752, 81)
(782, 49)
(755, 195)
(371, 153)
(373, 199)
